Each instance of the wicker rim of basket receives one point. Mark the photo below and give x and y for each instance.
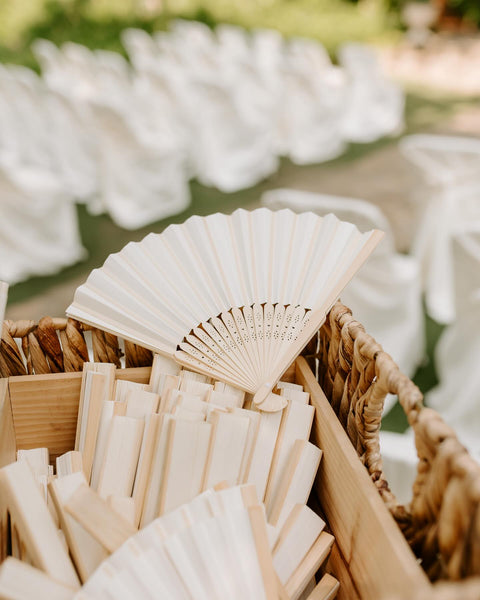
(56, 345)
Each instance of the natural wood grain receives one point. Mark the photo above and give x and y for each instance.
(87, 554)
(20, 580)
(326, 588)
(88, 423)
(45, 408)
(270, 581)
(378, 557)
(94, 514)
(296, 481)
(309, 565)
(337, 566)
(68, 463)
(21, 498)
(8, 445)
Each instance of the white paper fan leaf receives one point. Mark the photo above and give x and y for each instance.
(235, 297)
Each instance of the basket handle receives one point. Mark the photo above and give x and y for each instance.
(442, 522)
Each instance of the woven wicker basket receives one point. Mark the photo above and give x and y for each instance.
(441, 524)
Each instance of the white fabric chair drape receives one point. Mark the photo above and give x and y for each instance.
(451, 169)
(400, 461)
(141, 182)
(74, 152)
(457, 396)
(38, 230)
(313, 108)
(375, 105)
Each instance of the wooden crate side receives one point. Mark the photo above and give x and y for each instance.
(45, 408)
(289, 374)
(337, 566)
(7, 432)
(379, 559)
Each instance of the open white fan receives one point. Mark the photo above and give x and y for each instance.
(235, 297)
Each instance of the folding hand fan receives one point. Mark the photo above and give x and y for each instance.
(234, 297)
(212, 548)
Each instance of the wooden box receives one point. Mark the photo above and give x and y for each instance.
(370, 557)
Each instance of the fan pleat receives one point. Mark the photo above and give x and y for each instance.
(174, 314)
(185, 275)
(241, 238)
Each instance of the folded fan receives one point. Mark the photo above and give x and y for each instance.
(236, 297)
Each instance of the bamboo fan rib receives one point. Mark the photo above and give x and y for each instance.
(235, 297)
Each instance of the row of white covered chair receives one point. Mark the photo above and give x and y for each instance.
(56, 152)
(125, 138)
(135, 175)
(233, 101)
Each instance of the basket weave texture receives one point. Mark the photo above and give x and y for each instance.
(442, 522)
(58, 345)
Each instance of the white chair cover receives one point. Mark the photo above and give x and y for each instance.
(195, 33)
(231, 154)
(457, 396)
(81, 71)
(451, 167)
(313, 105)
(73, 149)
(10, 140)
(52, 63)
(375, 105)
(141, 182)
(114, 78)
(38, 229)
(385, 294)
(234, 43)
(400, 461)
(23, 93)
(141, 48)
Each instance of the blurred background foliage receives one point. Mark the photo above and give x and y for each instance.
(98, 23)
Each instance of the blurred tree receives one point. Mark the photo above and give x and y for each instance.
(466, 10)
(469, 10)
